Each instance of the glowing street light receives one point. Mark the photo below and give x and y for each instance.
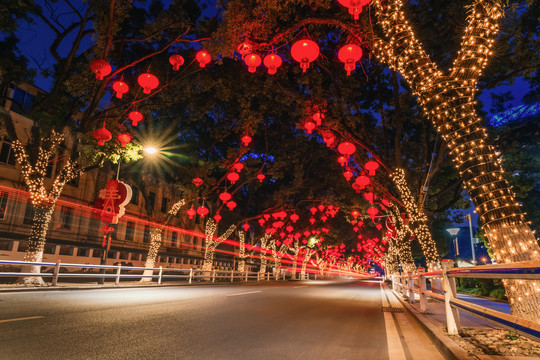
(150, 150)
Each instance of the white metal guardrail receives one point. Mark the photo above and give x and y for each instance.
(412, 283)
(119, 272)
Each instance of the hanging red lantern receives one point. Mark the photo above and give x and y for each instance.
(233, 177)
(202, 211)
(278, 243)
(245, 227)
(371, 167)
(148, 82)
(324, 218)
(102, 135)
(135, 117)
(101, 68)
(328, 138)
(244, 49)
(318, 117)
(321, 207)
(348, 175)
(306, 234)
(370, 197)
(294, 218)
(355, 229)
(309, 126)
(312, 221)
(355, 213)
(252, 61)
(246, 139)
(197, 182)
(385, 202)
(325, 230)
(313, 210)
(261, 222)
(266, 217)
(231, 205)
(372, 211)
(238, 167)
(191, 213)
(289, 228)
(225, 196)
(378, 226)
(342, 160)
(350, 54)
(346, 149)
(217, 217)
(203, 58)
(124, 139)
(362, 181)
(305, 52)
(176, 61)
(120, 88)
(354, 6)
(272, 62)
(261, 177)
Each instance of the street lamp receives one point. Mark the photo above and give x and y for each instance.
(468, 216)
(454, 232)
(150, 150)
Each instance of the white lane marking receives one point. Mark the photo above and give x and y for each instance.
(395, 349)
(245, 293)
(298, 287)
(20, 319)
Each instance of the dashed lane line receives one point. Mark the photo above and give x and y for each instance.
(20, 319)
(245, 293)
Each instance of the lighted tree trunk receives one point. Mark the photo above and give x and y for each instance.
(156, 238)
(417, 219)
(402, 243)
(241, 252)
(278, 254)
(307, 255)
(448, 100)
(295, 250)
(43, 201)
(211, 242)
(321, 263)
(391, 262)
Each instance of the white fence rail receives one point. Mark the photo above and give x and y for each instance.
(54, 272)
(415, 283)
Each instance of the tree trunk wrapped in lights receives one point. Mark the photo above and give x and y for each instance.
(307, 255)
(391, 262)
(264, 250)
(321, 263)
(43, 201)
(402, 241)
(294, 257)
(417, 219)
(156, 236)
(448, 100)
(278, 254)
(241, 252)
(211, 242)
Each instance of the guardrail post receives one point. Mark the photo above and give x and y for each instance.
(258, 276)
(232, 275)
(403, 285)
(267, 276)
(190, 275)
(422, 286)
(117, 279)
(410, 280)
(213, 275)
(246, 275)
(449, 284)
(55, 273)
(160, 275)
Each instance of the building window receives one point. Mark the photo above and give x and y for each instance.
(28, 213)
(164, 204)
(174, 239)
(83, 252)
(66, 217)
(7, 155)
(22, 101)
(3, 204)
(134, 195)
(96, 253)
(130, 230)
(146, 236)
(151, 199)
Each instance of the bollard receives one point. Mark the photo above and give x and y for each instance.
(422, 286)
(55, 273)
(160, 275)
(190, 275)
(213, 275)
(449, 284)
(410, 280)
(117, 279)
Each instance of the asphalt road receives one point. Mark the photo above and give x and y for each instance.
(289, 320)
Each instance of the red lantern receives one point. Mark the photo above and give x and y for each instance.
(225, 196)
(372, 211)
(306, 234)
(233, 177)
(124, 139)
(217, 217)
(313, 210)
(101, 68)
(355, 213)
(324, 218)
(348, 175)
(120, 88)
(244, 49)
(362, 181)
(191, 213)
(294, 218)
(309, 126)
(238, 167)
(320, 207)
(318, 117)
(371, 167)
(261, 177)
(135, 117)
(312, 221)
(203, 58)
(355, 6)
(252, 61)
(342, 160)
(245, 227)
(148, 82)
(346, 149)
(328, 138)
(305, 51)
(379, 226)
(102, 135)
(231, 205)
(370, 197)
(272, 62)
(289, 228)
(202, 211)
(176, 61)
(261, 222)
(197, 182)
(246, 139)
(350, 54)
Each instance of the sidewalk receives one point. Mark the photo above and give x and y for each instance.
(434, 323)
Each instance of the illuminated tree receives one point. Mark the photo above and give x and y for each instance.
(212, 242)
